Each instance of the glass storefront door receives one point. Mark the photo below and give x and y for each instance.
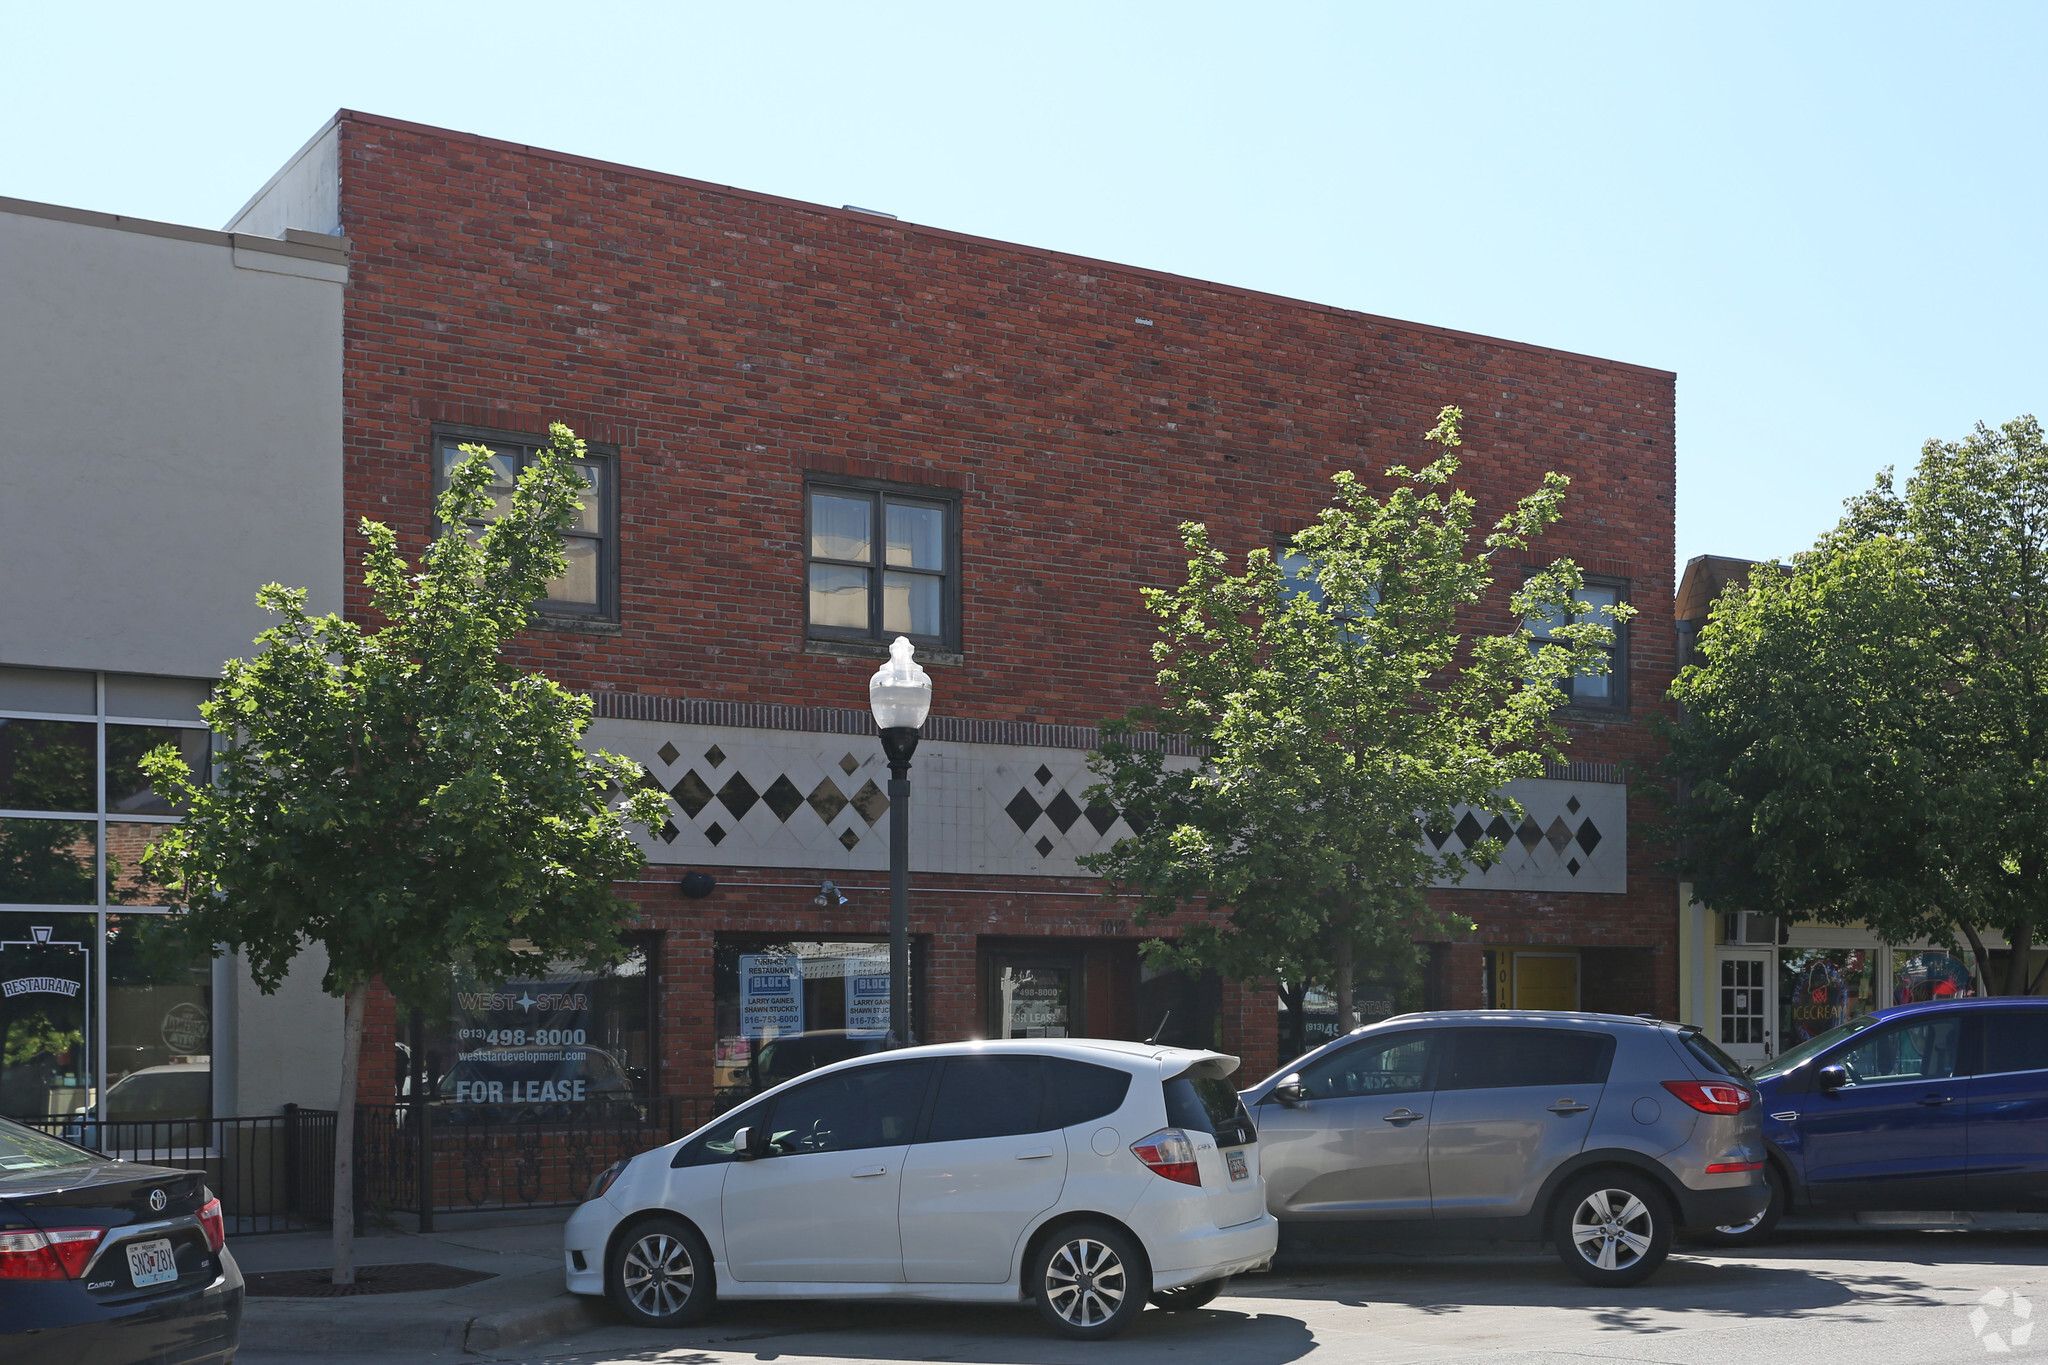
(1821, 988)
(48, 981)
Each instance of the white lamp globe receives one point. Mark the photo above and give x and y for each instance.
(900, 693)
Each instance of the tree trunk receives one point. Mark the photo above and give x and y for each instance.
(1983, 958)
(2019, 956)
(1346, 1020)
(353, 1004)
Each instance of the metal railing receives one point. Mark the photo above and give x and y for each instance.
(271, 1172)
(428, 1158)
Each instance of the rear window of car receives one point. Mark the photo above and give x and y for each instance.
(24, 1149)
(2014, 1041)
(1208, 1104)
(1503, 1058)
(1711, 1057)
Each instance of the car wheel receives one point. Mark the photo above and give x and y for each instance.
(1612, 1228)
(1757, 1229)
(1089, 1280)
(660, 1274)
(1188, 1297)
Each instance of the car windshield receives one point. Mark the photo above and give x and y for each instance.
(24, 1149)
(1797, 1056)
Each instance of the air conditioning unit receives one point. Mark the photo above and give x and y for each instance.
(1748, 928)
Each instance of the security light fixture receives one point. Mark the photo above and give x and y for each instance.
(829, 894)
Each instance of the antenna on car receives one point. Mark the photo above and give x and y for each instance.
(1161, 1029)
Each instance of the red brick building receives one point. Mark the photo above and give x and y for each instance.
(815, 427)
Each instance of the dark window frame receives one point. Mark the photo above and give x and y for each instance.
(607, 606)
(880, 493)
(1616, 702)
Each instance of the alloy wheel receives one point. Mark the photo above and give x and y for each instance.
(1612, 1229)
(1085, 1282)
(658, 1275)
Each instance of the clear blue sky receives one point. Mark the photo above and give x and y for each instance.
(1827, 219)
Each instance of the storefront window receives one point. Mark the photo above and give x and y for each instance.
(569, 1041)
(1823, 988)
(1931, 975)
(785, 1006)
(47, 1014)
(159, 1021)
(1035, 1002)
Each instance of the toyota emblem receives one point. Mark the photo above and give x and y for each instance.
(157, 1200)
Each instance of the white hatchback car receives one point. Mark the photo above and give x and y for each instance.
(1087, 1176)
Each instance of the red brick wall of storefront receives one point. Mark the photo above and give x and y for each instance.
(726, 342)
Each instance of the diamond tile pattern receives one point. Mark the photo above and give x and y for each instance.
(1044, 775)
(738, 795)
(715, 832)
(669, 753)
(869, 802)
(1469, 830)
(1101, 815)
(848, 763)
(693, 794)
(1559, 834)
(714, 755)
(1500, 829)
(668, 831)
(1529, 833)
(1064, 811)
(848, 838)
(782, 797)
(1572, 805)
(826, 799)
(1572, 867)
(1589, 836)
(1024, 810)
(1044, 845)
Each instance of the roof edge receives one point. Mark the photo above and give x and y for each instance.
(304, 245)
(1094, 264)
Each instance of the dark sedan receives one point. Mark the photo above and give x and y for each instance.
(109, 1262)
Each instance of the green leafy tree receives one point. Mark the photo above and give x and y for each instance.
(404, 797)
(1333, 707)
(1866, 740)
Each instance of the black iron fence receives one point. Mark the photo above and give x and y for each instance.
(429, 1158)
(272, 1173)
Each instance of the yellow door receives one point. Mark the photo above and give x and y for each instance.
(1546, 981)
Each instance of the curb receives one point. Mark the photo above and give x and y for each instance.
(555, 1317)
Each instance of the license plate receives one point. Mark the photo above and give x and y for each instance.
(1240, 1169)
(152, 1263)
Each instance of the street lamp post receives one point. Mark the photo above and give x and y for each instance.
(900, 695)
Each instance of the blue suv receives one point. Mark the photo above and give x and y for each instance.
(1942, 1105)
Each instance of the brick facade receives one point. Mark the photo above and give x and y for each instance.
(727, 342)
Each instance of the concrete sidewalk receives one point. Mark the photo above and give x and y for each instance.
(523, 1302)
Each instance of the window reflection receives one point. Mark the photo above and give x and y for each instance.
(46, 765)
(46, 1009)
(159, 1021)
(128, 789)
(48, 862)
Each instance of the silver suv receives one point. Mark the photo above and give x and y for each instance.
(1601, 1133)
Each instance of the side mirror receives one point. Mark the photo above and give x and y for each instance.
(743, 1145)
(1830, 1079)
(1290, 1091)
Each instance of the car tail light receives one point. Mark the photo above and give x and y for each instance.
(1712, 1097)
(1170, 1153)
(1732, 1167)
(216, 1228)
(48, 1254)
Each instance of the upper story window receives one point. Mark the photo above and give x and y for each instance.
(590, 542)
(1594, 691)
(881, 561)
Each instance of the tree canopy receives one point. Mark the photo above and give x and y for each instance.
(1866, 739)
(1334, 698)
(405, 797)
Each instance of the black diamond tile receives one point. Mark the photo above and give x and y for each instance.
(1044, 774)
(668, 831)
(848, 763)
(1138, 820)
(1500, 829)
(1469, 831)
(1064, 811)
(1559, 834)
(1101, 815)
(1589, 836)
(1023, 810)
(782, 797)
(693, 794)
(1437, 836)
(716, 834)
(1529, 832)
(668, 753)
(1044, 845)
(825, 798)
(1572, 805)
(714, 755)
(1572, 867)
(650, 781)
(870, 802)
(848, 838)
(739, 795)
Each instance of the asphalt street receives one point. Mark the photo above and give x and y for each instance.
(1868, 1297)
